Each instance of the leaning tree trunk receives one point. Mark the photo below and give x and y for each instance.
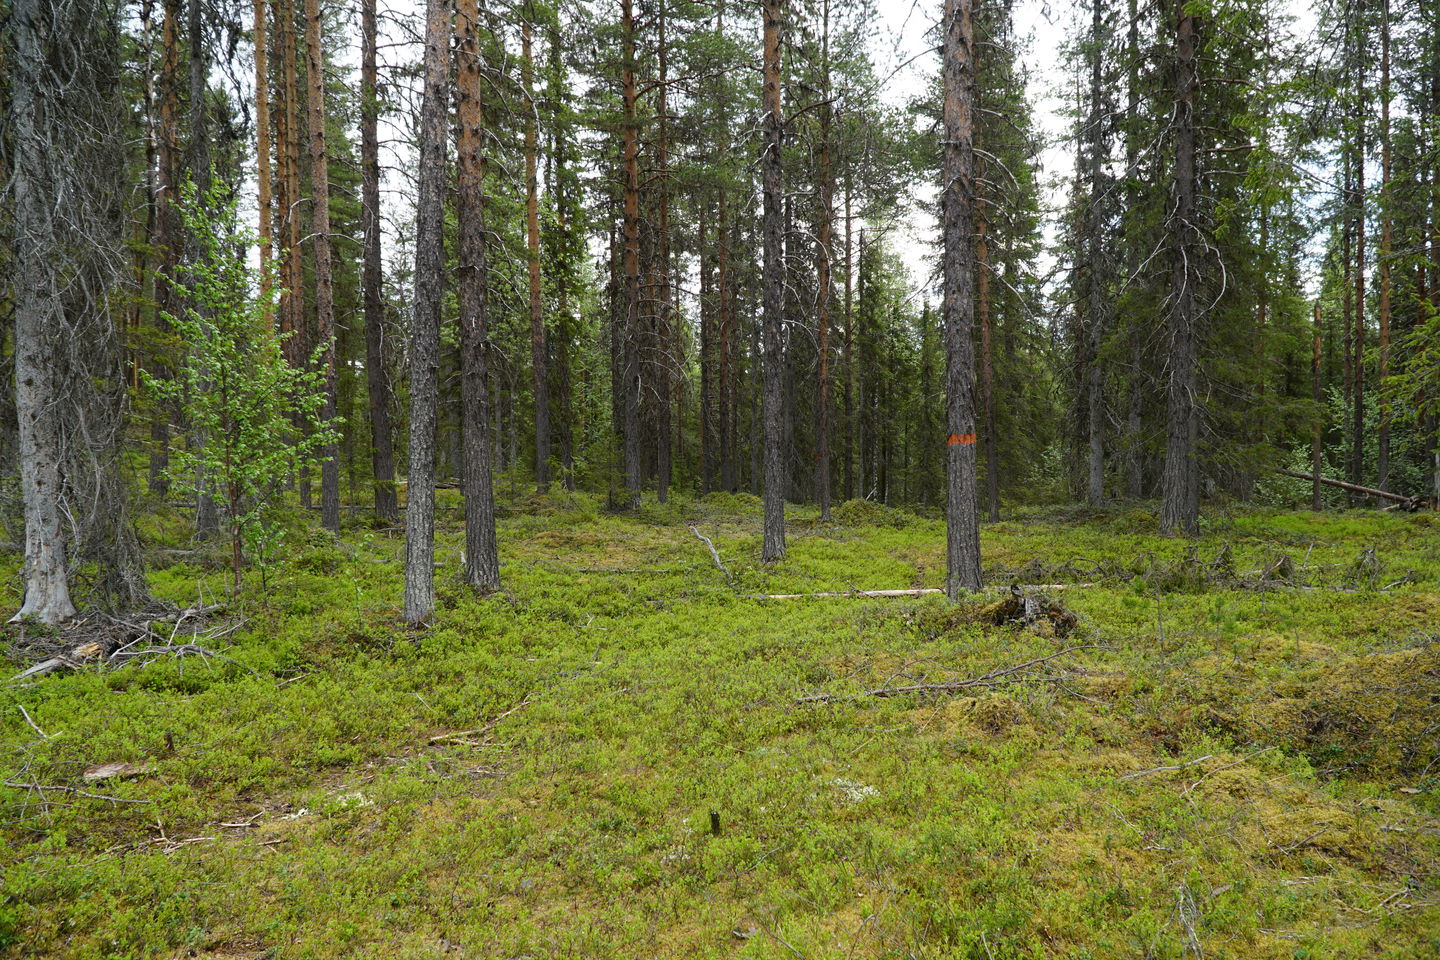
(482, 562)
(425, 329)
(1180, 510)
(957, 220)
(39, 326)
(774, 279)
(382, 444)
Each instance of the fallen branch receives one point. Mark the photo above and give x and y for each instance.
(716, 554)
(1408, 503)
(993, 678)
(464, 735)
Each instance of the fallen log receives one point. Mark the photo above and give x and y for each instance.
(1409, 503)
(926, 591)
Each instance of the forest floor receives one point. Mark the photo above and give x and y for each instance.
(614, 759)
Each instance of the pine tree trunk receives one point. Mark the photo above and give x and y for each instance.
(382, 443)
(482, 562)
(425, 328)
(1180, 510)
(324, 283)
(630, 349)
(666, 353)
(262, 145)
(207, 514)
(773, 547)
(540, 379)
(38, 320)
(957, 225)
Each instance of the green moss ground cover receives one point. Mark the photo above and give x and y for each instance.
(1230, 770)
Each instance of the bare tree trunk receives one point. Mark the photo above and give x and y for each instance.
(1383, 465)
(207, 514)
(630, 363)
(1180, 510)
(38, 320)
(1316, 397)
(262, 145)
(1357, 452)
(957, 224)
(1095, 263)
(540, 379)
(324, 284)
(774, 306)
(848, 348)
(1134, 457)
(425, 329)
(167, 231)
(667, 344)
(729, 399)
(382, 445)
(823, 282)
(482, 561)
(707, 356)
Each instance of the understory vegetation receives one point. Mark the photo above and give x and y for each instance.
(1218, 747)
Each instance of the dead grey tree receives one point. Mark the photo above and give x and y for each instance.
(64, 148)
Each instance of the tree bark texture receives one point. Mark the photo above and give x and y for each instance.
(957, 224)
(425, 325)
(773, 279)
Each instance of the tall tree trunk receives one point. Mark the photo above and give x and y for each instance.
(1134, 456)
(666, 353)
(262, 145)
(706, 253)
(1180, 511)
(382, 445)
(1357, 450)
(540, 378)
(167, 231)
(1383, 465)
(630, 362)
(1095, 262)
(848, 347)
(425, 326)
(957, 224)
(1316, 398)
(324, 284)
(823, 283)
(207, 514)
(38, 320)
(773, 547)
(482, 562)
(729, 399)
